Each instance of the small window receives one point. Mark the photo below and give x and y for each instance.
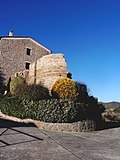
(28, 51)
(27, 65)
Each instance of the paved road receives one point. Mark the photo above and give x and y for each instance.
(26, 142)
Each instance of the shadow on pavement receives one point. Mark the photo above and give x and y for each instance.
(4, 123)
(9, 125)
(108, 125)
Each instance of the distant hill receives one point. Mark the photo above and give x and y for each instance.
(111, 105)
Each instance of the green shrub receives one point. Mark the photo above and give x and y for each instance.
(109, 115)
(93, 105)
(11, 106)
(83, 92)
(32, 92)
(15, 82)
(52, 110)
(65, 88)
(117, 110)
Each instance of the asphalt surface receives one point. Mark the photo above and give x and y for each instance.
(26, 142)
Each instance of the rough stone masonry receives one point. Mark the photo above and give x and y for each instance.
(24, 56)
(47, 70)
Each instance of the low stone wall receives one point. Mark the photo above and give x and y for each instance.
(81, 126)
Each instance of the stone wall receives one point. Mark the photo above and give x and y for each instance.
(81, 126)
(13, 56)
(47, 70)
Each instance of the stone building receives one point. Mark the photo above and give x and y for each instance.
(24, 56)
(18, 52)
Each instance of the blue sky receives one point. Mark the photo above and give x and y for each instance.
(86, 31)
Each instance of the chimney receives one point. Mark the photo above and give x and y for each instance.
(10, 33)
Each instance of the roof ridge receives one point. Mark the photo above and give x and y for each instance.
(26, 37)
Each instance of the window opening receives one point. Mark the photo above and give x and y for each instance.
(28, 51)
(27, 65)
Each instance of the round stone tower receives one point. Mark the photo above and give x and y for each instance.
(47, 70)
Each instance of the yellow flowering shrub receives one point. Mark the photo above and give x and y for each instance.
(65, 88)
